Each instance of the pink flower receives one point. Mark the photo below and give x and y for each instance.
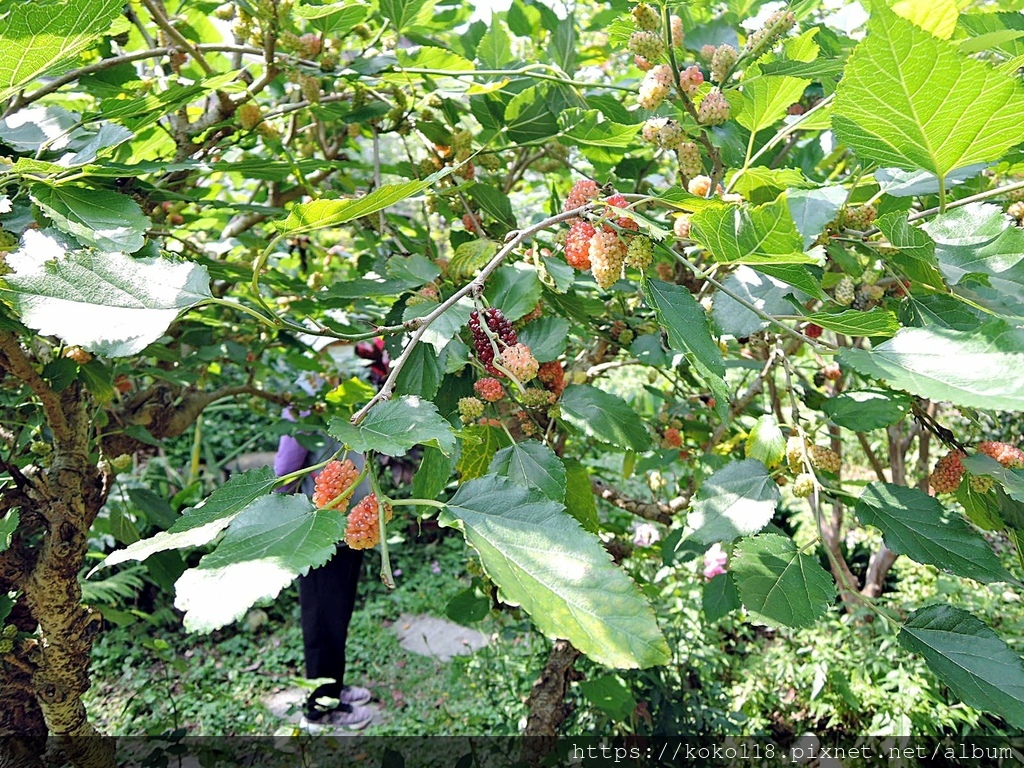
(714, 562)
(435, 567)
(644, 535)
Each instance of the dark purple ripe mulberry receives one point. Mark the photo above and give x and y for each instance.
(500, 328)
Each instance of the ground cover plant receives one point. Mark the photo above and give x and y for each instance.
(741, 279)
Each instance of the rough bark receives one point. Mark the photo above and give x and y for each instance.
(546, 705)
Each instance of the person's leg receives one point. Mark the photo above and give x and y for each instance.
(327, 596)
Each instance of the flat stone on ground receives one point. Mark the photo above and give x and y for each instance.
(287, 705)
(439, 638)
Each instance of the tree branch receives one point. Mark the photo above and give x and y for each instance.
(15, 361)
(649, 510)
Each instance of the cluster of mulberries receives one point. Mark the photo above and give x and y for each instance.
(1009, 456)
(713, 109)
(690, 80)
(803, 486)
(470, 409)
(948, 472)
(824, 459)
(664, 132)
(775, 26)
(645, 17)
(690, 163)
(672, 438)
(845, 291)
(676, 27)
(520, 362)
(796, 449)
(577, 244)
(859, 217)
(552, 376)
(537, 398)
(336, 478)
(640, 252)
(582, 192)
(647, 45)
(655, 87)
(489, 389)
(699, 185)
(598, 246)
(681, 226)
(500, 329)
(607, 257)
(363, 528)
(722, 61)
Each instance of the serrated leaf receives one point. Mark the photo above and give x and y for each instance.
(107, 220)
(1011, 479)
(720, 597)
(531, 464)
(915, 250)
(737, 500)
(812, 209)
(38, 38)
(202, 523)
(968, 657)
(494, 49)
(579, 495)
(745, 234)
(686, 323)
(470, 256)
(605, 417)
(963, 368)
(766, 443)
(866, 409)
(444, 328)
(764, 292)
(395, 426)
(854, 322)
(591, 128)
(107, 303)
(320, 214)
(918, 526)
(911, 100)
(421, 375)
(479, 444)
(608, 694)
(561, 575)
(406, 14)
(528, 118)
(515, 290)
(764, 100)
(432, 475)
(778, 584)
(468, 606)
(546, 337)
(979, 251)
(277, 538)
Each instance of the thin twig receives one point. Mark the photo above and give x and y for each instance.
(873, 459)
(161, 21)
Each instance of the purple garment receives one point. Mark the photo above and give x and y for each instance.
(291, 456)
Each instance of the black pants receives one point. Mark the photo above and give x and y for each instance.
(327, 596)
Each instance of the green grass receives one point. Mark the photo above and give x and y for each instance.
(150, 680)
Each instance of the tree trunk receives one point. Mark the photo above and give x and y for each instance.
(546, 705)
(45, 677)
